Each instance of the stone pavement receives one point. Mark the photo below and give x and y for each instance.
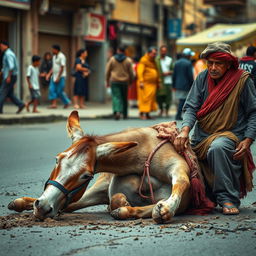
(94, 110)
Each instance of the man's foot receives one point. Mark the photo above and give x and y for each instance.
(229, 209)
(36, 111)
(20, 109)
(82, 106)
(27, 107)
(52, 106)
(117, 116)
(66, 106)
(76, 106)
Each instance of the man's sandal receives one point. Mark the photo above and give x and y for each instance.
(229, 209)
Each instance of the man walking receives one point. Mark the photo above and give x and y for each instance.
(147, 82)
(183, 79)
(9, 77)
(165, 69)
(119, 75)
(58, 79)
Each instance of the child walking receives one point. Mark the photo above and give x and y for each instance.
(33, 83)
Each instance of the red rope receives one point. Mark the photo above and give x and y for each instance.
(147, 172)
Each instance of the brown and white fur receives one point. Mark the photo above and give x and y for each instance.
(120, 160)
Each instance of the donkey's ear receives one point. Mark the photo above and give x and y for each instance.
(114, 148)
(74, 129)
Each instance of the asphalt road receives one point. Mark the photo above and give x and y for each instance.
(26, 160)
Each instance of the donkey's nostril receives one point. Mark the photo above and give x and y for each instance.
(36, 203)
(49, 211)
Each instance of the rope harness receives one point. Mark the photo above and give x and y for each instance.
(146, 172)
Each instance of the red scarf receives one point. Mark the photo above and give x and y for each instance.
(247, 58)
(219, 92)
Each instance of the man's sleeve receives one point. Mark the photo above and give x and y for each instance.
(193, 102)
(63, 60)
(10, 61)
(140, 71)
(29, 71)
(248, 100)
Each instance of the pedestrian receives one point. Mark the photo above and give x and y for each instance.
(82, 71)
(248, 62)
(164, 93)
(221, 107)
(199, 66)
(132, 90)
(182, 79)
(9, 77)
(119, 75)
(147, 82)
(44, 70)
(33, 83)
(58, 78)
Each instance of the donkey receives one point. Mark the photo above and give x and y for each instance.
(119, 158)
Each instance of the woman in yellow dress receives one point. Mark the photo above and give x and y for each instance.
(147, 83)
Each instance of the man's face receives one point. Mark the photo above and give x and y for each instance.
(54, 51)
(3, 47)
(163, 51)
(217, 68)
(153, 53)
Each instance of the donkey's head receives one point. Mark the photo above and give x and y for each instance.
(74, 169)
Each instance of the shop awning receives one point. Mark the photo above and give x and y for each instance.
(228, 33)
(19, 4)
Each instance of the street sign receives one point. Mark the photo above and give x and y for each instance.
(174, 28)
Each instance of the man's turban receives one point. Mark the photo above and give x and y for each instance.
(220, 51)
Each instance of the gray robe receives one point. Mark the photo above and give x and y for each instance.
(220, 154)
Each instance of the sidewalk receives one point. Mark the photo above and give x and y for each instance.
(94, 110)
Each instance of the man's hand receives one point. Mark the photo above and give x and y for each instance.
(242, 148)
(8, 79)
(57, 80)
(182, 140)
(141, 85)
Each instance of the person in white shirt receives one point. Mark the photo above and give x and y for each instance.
(33, 83)
(164, 92)
(58, 77)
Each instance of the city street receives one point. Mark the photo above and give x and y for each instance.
(26, 161)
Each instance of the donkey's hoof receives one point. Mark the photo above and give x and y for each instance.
(121, 213)
(161, 213)
(16, 205)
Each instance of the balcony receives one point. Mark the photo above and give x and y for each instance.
(226, 2)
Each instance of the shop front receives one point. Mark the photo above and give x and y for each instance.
(137, 38)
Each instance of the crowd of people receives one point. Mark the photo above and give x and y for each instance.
(157, 80)
(48, 75)
(151, 83)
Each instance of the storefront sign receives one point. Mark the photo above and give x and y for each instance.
(19, 4)
(96, 28)
(137, 29)
(174, 28)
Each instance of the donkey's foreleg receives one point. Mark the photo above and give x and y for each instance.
(178, 201)
(120, 209)
(97, 194)
(22, 204)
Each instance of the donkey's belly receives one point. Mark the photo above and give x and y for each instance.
(129, 186)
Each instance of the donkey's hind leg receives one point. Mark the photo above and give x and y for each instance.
(120, 209)
(22, 204)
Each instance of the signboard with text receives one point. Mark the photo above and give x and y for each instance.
(19, 4)
(96, 28)
(174, 28)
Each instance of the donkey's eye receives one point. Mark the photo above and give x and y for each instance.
(85, 177)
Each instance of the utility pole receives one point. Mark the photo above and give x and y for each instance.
(160, 24)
